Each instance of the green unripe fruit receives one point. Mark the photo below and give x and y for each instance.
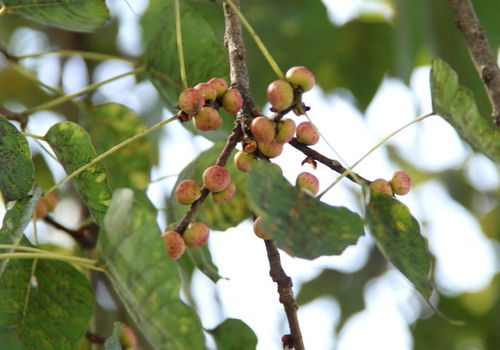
(271, 149)
(219, 84)
(207, 90)
(190, 101)
(301, 77)
(232, 101)
(308, 183)
(244, 161)
(225, 195)
(280, 95)
(216, 178)
(285, 130)
(400, 182)
(259, 232)
(187, 192)
(263, 129)
(307, 133)
(207, 119)
(196, 235)
(382, 186)
(174, 243)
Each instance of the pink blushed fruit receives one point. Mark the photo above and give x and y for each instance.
(271, 149)
(307, 133)
(46, 204)
(259, 232)
(308, 183)
(224, 196)
(263, 129)
(280, 95)
(128, 339)
(196, 235)
(382, 186)
(190, 101)
(301, 77)
(174, 243)
(207, 90)
(187, 192)
(400, 182)
(216, 178)
(232, 101)
(219, 84)
(207, 119)
(285, 130)
(244, 161)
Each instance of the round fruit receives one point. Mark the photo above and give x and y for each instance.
(219, 84)
(271, 149)
(196, 235)
(307, 133)
(308, 183)
(207, 119)
(263, 129)
(216, 178)
(382, 186)
(190, 100)
(259, 232)
(174, 243)
(128, 339)
(232, 101)
(46, 204)
(187, 192)
(243, 161)
(207, 90)
(285, 130)
(224, 196)
(280, 95)
(400, 182)
(301, 76)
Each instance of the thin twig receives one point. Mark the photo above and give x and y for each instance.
(85, 236)
(18, 117)
(480, 52)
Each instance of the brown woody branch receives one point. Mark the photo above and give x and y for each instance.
(85, 236)
(19, 117)
(480, 52)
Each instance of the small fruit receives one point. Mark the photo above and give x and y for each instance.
(216, 178)
(307, 133)
(244, 161)
(382, 186)
(219, 84)
(224, 196)
(196, 235)
(400, 182)
(207, 119)
(280, 95)
(308, 183)
(271, 149)
(128, 339)
(259, 232)
(187, 192)
(285, 130)
(232, 101)
(191, 101)
(46, 204)
(301, 76)
(207, 90)
(263, 129)
(174, 244)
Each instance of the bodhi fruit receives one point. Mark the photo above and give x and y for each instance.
(307, 133)
(216, 178)
(187, 192)
(382, 186)
(263, 129)
(128, 339)
(207, 119)
(219, 84)
(400, 182)
(280, 95)
(285, 130)
(270, 149)
(225, 195)
(190, 101)
(232, 101)
(259, 232)
(308, 183)
(243, 161)
(196, 235)
(207, 90)
(174, 243)
(46, 204)
(301, 77)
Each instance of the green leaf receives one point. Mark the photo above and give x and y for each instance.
(113, 341)
(398, 237)
(73, 149)
(43, 174)
(216, 216)
(148, 284)
(76, 15)
(15, 221)
(110, 124)
(49, 311)
(455, 103)
(301, 225)
(234, 334)
(16, 174)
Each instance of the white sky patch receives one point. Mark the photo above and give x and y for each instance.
(74, 76)
(482, 173)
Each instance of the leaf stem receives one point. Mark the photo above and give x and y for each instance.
(180, 46)
(49, 256)
(94, 56)
(38, 137)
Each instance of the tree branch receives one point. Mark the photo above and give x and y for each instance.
(85, 236)
(19, 117)
(480, 52)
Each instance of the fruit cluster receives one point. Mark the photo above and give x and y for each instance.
(195, 236)
(399, 184)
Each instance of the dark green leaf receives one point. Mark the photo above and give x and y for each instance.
(43, 174)
(73, 148)
(398, 237)
(15, 221)
(216, 216)
(202, 259)
(455, 103)
(148, 284)
(234, 334)
(301, 225)
(76, 15)
(50, 311)
(113, 341)
(16, 174)
(110, 124)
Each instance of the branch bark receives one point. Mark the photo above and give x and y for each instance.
(480, 52)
